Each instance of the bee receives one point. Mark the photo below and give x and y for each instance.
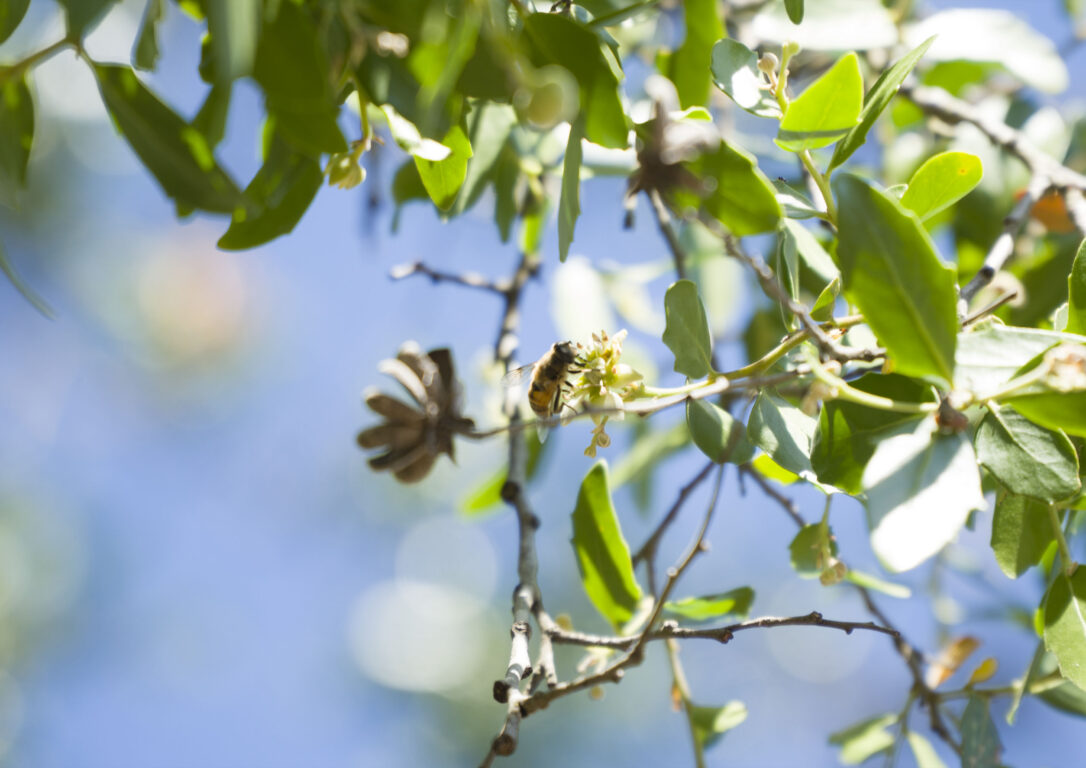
(549, 379)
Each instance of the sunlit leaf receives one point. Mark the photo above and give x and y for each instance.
(1029, 460)
(1021, 532)
(735, 71)
(940, 182)
(866, 738)
(1065, 624)
(489, 126)
(145, 52)
(1051, 407)
(923, 751)
(687, 331)
(984, 671)
(569, 205)
(602, 554)
(716, 433)
(807, 549)
(16, 138)
(740, 196)
(1076, 302)
(921, 487)
(892, 273)
(876, 100)
(735, 602)
(827, 110)
(172, 150)
(710, 723)
(783, 431)
(690, 61)
(442, 178)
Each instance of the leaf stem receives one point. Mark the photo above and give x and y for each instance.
(1069, 564)
(678, 678)
(17, 69)
(846, 392)
(823, 183)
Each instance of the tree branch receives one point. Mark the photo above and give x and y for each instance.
(466, 279)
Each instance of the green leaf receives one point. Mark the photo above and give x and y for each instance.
(847, 432)
(876, 100)
(795, 10)
(923, 751)
(991, 355)
(867, 581)
(783, 431)
(735, 602)
(211, 119)
(892, 273)
(827, 110)
(800, 245)
(771, 470)
(234, 27)
(1076, 289)
(716, 433)
(11, 13)
(292, 70)
(602, 555)
(489, 494)
(145, 54)
(735, 71)
(408, 138)
(866, 738)
(980, 739)
(807, 548)
(1050, 407)
(282, 189)
(794, 204)
(742, 199)
(687, 331)
(1029, 460)
(710, 723)
(1065, 624)
(569, 206)
(1066, 697)
(20, 285)
(556, 39)
(1021, 532)
(940, 182)
(173, 151)
(84, 14)
(689, 68)
(442, 178)
(921, 487)
(489, 126)
(16, 138)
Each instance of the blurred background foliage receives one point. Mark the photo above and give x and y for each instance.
(195, 565)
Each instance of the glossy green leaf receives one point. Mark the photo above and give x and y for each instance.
(16, 138)
(602, 554)
(1028, 459)
(740, 197)
(234, 27)
(11, 13)
(174, 152)
(794, 8)
(145, 53)
(408, 138)
(980, 739)
(569, 205)
(892, 273)
(710, 723)
(735, 603)
(940, 182)
(799, 246)
(291, 68)
(282, 190)
(923, 751)
(690, 61)
(827, 110)
(687, 330)
(1066, 697)
(735, 71)
(783, 431)
(84, 14)
(716, 433)
(771, 470)
(1021, 532)
(807, 549)
(1065, 624)
(21, 286)
(867, 738)
(991, 354)
(1076, 290)
(921, 487)
(556, 39)
(443, 178)
(876, 100)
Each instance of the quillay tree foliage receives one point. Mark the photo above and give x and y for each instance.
(871, 373)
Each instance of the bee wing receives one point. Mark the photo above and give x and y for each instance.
(518, 375)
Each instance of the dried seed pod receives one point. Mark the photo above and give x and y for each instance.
(414, 434)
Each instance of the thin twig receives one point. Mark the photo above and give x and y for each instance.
(466, 279)
(663, 220)
(785, 503)
(671, 630)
